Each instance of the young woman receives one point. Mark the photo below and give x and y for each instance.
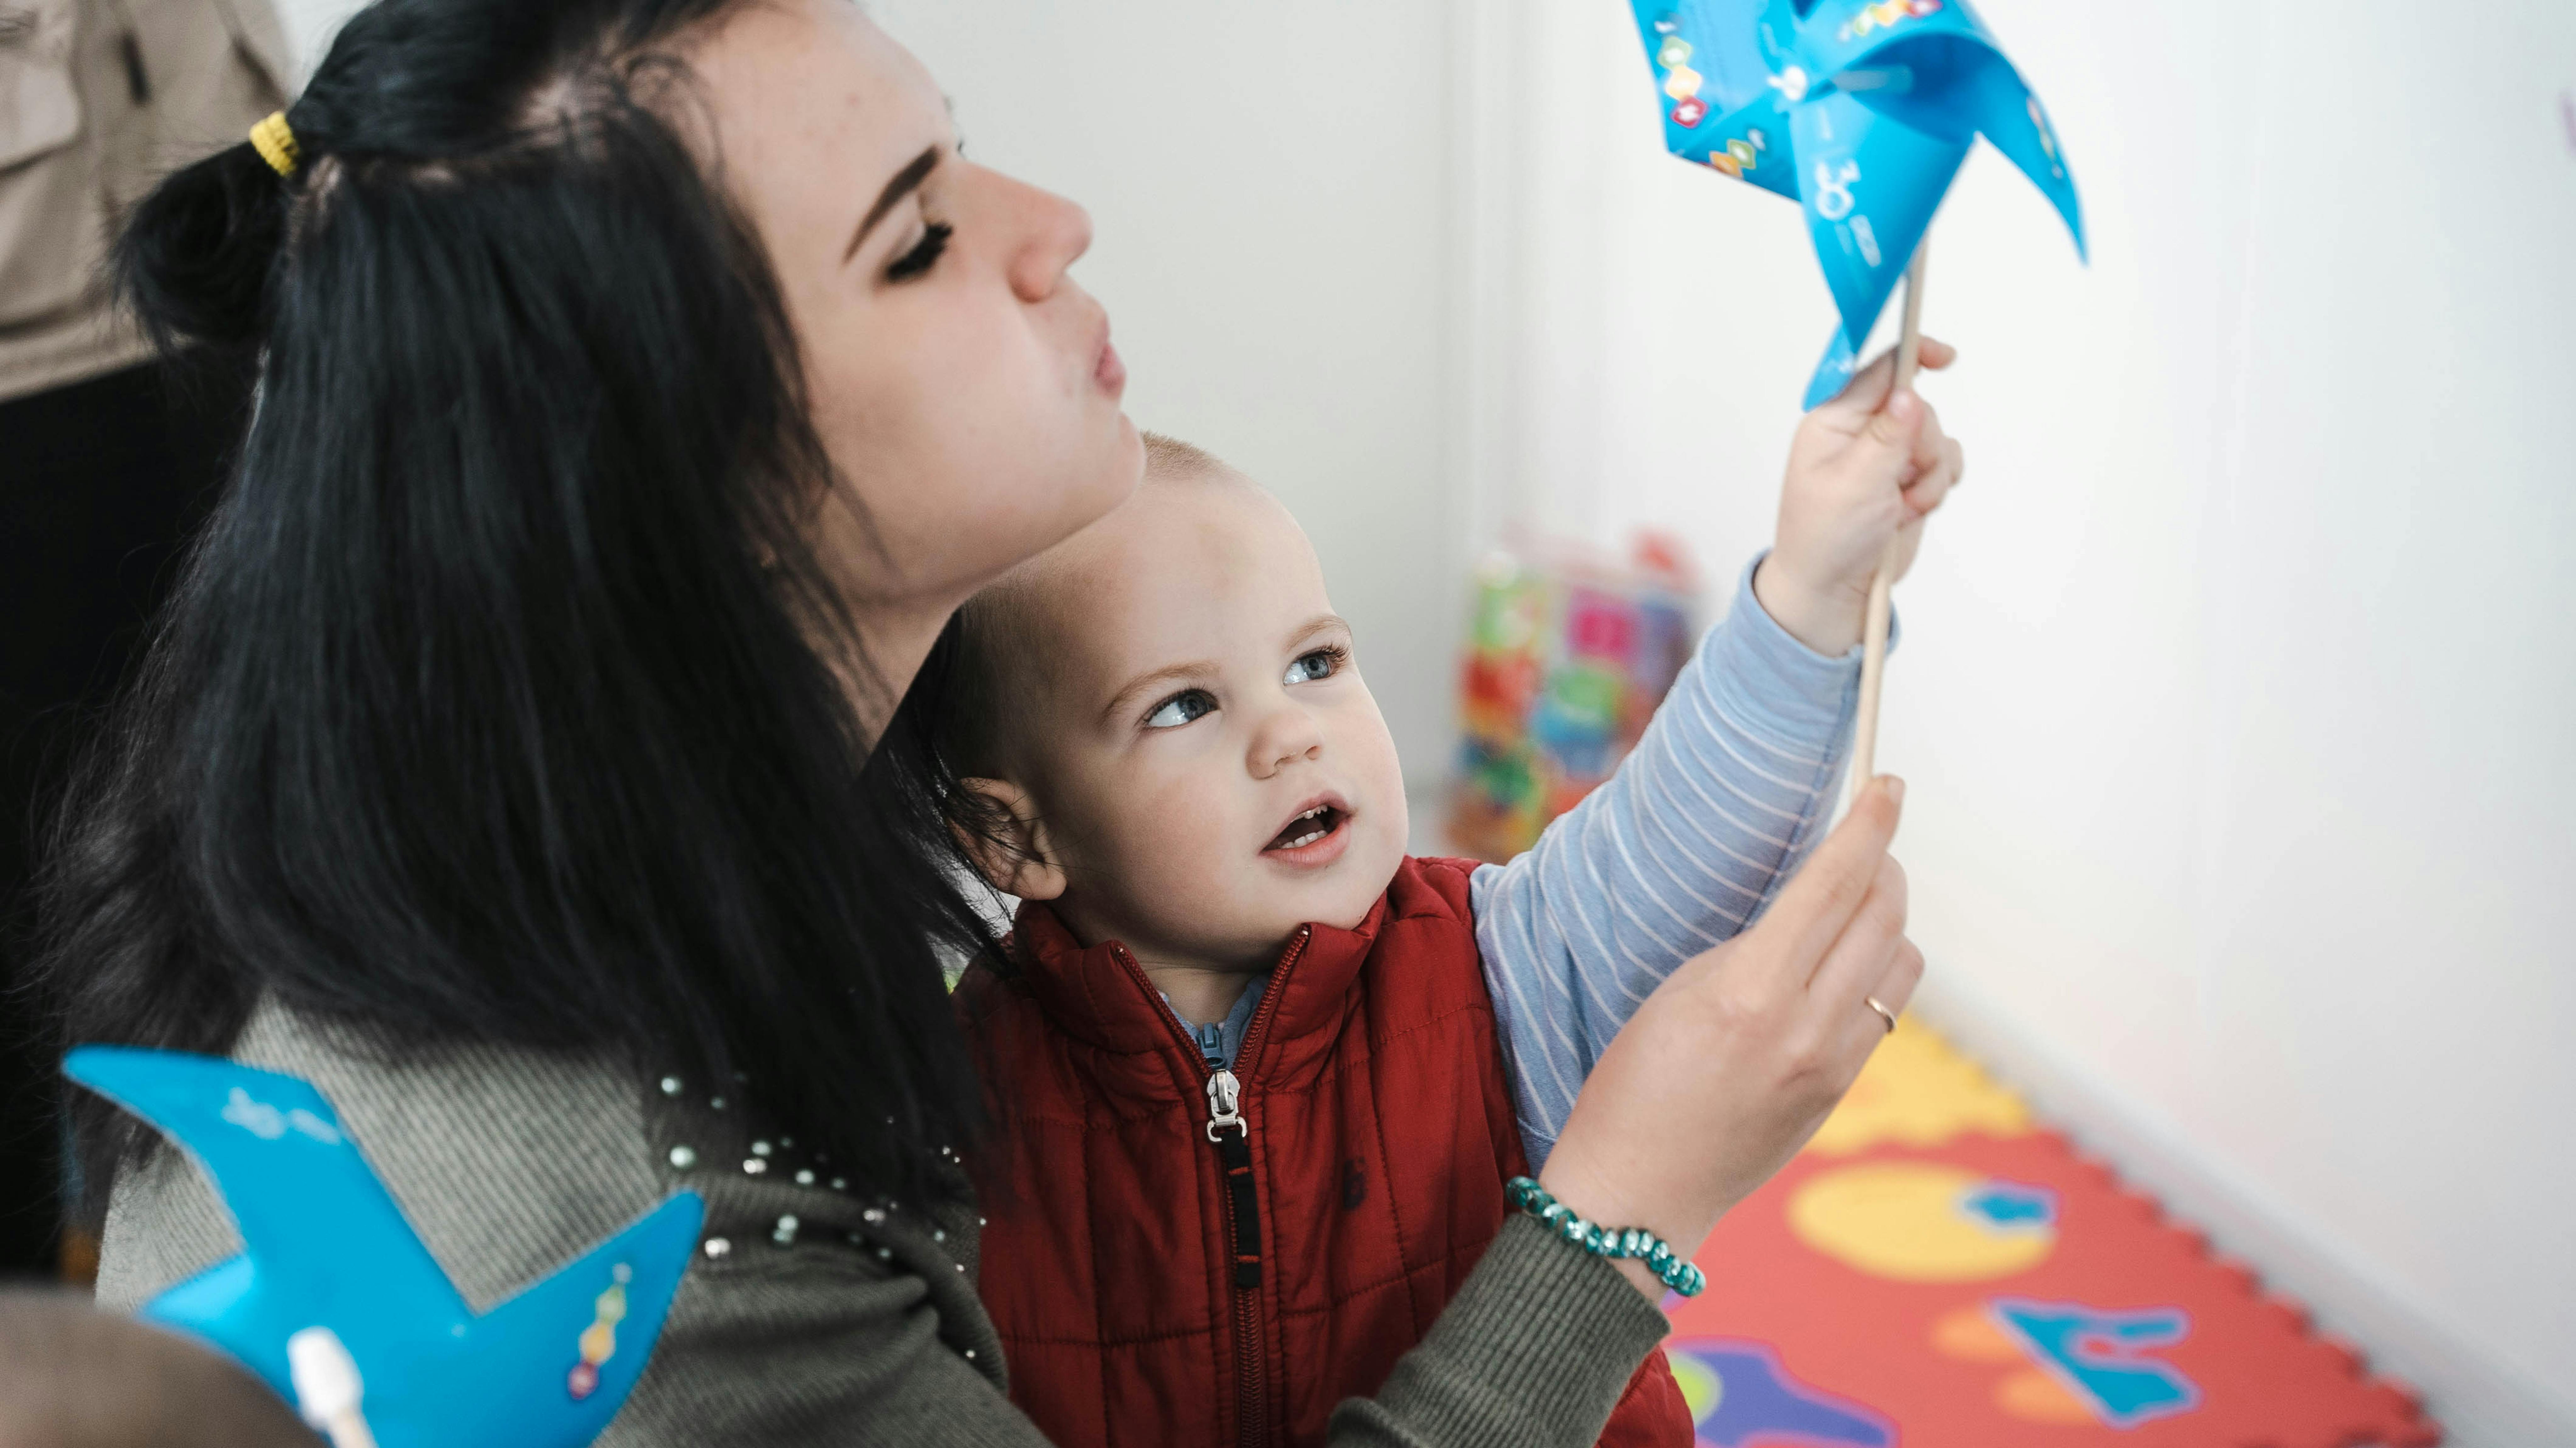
(644, 383)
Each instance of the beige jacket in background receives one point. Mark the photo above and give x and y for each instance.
(98, 100)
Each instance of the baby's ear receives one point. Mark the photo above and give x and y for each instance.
(999, 829)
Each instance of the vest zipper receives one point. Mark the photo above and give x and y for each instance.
(1243, 1197)
(1243, 1204)
(1234, 1152)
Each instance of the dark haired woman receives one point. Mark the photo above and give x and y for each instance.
(644, 382)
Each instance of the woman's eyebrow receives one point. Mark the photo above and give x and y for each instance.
(905, 182)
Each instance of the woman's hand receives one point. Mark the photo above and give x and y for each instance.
(1735, 1060)
(1869, 465)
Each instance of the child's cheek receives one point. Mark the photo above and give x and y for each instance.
(1175, 825)
(1371, 749)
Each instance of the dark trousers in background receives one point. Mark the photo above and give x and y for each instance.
(100, 482)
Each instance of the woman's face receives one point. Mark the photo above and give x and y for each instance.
(962, 383)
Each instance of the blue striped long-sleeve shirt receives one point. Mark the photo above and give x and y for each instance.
(1686, 843)
(1700, 825)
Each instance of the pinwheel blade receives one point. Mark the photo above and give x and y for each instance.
(1869, 186)
(321, 1238)
(1862, 112)
(1720, 102)
(326, 1247)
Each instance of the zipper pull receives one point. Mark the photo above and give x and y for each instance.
(1223, 1094)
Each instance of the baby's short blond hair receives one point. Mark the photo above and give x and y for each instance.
(996, 647)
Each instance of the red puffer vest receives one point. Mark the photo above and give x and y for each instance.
(1161, 1274)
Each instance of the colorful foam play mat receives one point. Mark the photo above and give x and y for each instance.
(1937, 1270)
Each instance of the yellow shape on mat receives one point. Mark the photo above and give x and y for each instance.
(1909, 1221)
(1918, 1091)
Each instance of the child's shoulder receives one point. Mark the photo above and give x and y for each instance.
(1431, 885)
(989, 986)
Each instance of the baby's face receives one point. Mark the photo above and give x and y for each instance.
(1210, 769)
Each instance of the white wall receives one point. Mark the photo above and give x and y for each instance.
(2237, 683)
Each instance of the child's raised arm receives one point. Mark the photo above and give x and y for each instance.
(1734, 779)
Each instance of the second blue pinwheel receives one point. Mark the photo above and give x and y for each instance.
(338, 1305)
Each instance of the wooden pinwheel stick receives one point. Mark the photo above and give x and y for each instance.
(1873, 637)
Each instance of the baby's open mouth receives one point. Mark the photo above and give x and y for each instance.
(1308, 828)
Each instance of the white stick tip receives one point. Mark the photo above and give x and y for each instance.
(327, 1384)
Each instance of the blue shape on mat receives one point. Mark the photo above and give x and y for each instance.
(2011, 1206)
(1759, 1405)
(2094, 1353)
(1861, 113)
(324, 1246)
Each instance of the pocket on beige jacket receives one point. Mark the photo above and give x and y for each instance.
(53, 215)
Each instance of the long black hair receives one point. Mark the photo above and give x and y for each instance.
(501, 699)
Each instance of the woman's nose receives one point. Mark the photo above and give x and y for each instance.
(1055, 233)
(1287, 736)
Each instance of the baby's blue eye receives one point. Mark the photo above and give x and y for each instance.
(1180, 709)
(1321, 664)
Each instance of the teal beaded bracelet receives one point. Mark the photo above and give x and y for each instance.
(1615, 1242)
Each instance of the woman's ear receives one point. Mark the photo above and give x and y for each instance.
(1007, 841)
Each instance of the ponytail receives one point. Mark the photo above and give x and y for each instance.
(199, 251)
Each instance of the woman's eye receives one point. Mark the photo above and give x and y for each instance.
(1180, 709)
(1321, 664)
(925, 252)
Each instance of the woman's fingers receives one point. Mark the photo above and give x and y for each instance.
(1852, 966)
(1904, 973)
(1814, 909)
(1855, 1036)
(1856, 1031)
(1884, 969)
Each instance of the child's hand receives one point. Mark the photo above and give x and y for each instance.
(1869, 464)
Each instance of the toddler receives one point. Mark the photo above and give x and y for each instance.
(1260, 1078)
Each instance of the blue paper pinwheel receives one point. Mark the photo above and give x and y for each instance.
(334, 1295)
(1861, 112)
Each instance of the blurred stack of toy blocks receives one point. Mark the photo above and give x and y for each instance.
(1569, 651)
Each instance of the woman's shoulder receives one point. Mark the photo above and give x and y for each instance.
(507, 1161)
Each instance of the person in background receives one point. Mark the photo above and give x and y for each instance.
(72, 1376)
(107, 458)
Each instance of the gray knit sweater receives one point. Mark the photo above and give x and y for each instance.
(814, 1314)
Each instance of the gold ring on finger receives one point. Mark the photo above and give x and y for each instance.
(1884, 1013)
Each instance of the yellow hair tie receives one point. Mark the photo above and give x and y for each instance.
(275, 143)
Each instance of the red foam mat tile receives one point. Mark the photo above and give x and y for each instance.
(1972, 1289)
